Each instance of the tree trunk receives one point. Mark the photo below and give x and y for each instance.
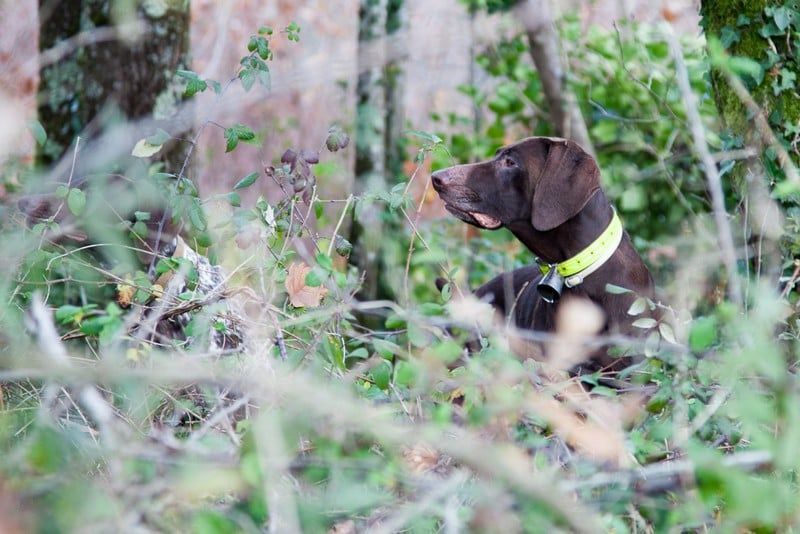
(379, 145)
(537, 18)
(742, 25)
(98, 80)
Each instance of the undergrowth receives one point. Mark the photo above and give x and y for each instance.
(339, 414)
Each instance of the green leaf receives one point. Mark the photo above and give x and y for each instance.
(212, 522)
(248, 78)
(729, 36)
(343, 246)
(237, 132)
(616, 290)
(382, 374)
(781, 17)
(425, 136)
(76, 201)
(385, 348)
(247, 181)
(62, 191)
(667, 333)
(746, 66)
(703, 333)
(651, 344)
(196, 215)
(633, 199)
(360, 352)
(324, 261)
(68, 313)
(232, 140)
(405, 373)
(37, 131)
(234, 199)
(313, 278)
(143, 149)
(645, 322)
(638, 306)
(158, 138)
(447, 351)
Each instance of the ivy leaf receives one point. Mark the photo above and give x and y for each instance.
(76, 201)
(787, 79)
(729, 36)
(782, 17)
(247, 181)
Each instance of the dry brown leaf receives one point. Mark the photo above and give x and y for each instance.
(576, 321)
(421, 458)
(602, 441)
(301, 295)
(125, 293)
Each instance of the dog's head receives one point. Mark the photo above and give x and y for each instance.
(543, 180)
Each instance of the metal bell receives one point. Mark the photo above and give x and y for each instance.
(550, 286)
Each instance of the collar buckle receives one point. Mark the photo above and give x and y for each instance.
(573, 271)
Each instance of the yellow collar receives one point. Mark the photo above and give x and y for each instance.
(575, 269)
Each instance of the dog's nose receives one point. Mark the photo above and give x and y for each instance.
(439, 178)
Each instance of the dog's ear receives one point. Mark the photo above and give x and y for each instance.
(565, 183)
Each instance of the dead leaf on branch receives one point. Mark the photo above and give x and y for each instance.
(300, 294)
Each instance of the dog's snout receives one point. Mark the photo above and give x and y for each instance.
(439, 178)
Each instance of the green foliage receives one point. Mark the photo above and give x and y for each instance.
(763, 36)
(633, 109)
(326, 419)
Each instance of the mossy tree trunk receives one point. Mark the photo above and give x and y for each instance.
(379, 139)
(741, 25)
(106, 78)
(762, 31)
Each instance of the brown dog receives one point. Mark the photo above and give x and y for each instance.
(547, 192)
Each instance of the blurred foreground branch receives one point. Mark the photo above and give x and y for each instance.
(700, 147)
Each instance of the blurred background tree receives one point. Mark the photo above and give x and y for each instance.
(109, 61)
(380, 121)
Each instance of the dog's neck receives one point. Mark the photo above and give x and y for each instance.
(568, 239)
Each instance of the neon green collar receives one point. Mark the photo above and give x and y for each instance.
(575, 269)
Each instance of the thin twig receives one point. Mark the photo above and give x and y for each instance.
(700, 147)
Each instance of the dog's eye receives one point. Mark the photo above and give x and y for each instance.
(508, 162)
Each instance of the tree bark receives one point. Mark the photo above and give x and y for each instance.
(379, 128)
(536, 17)
(758, 117)
(100, 80)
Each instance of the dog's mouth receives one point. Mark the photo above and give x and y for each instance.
(474, 217)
